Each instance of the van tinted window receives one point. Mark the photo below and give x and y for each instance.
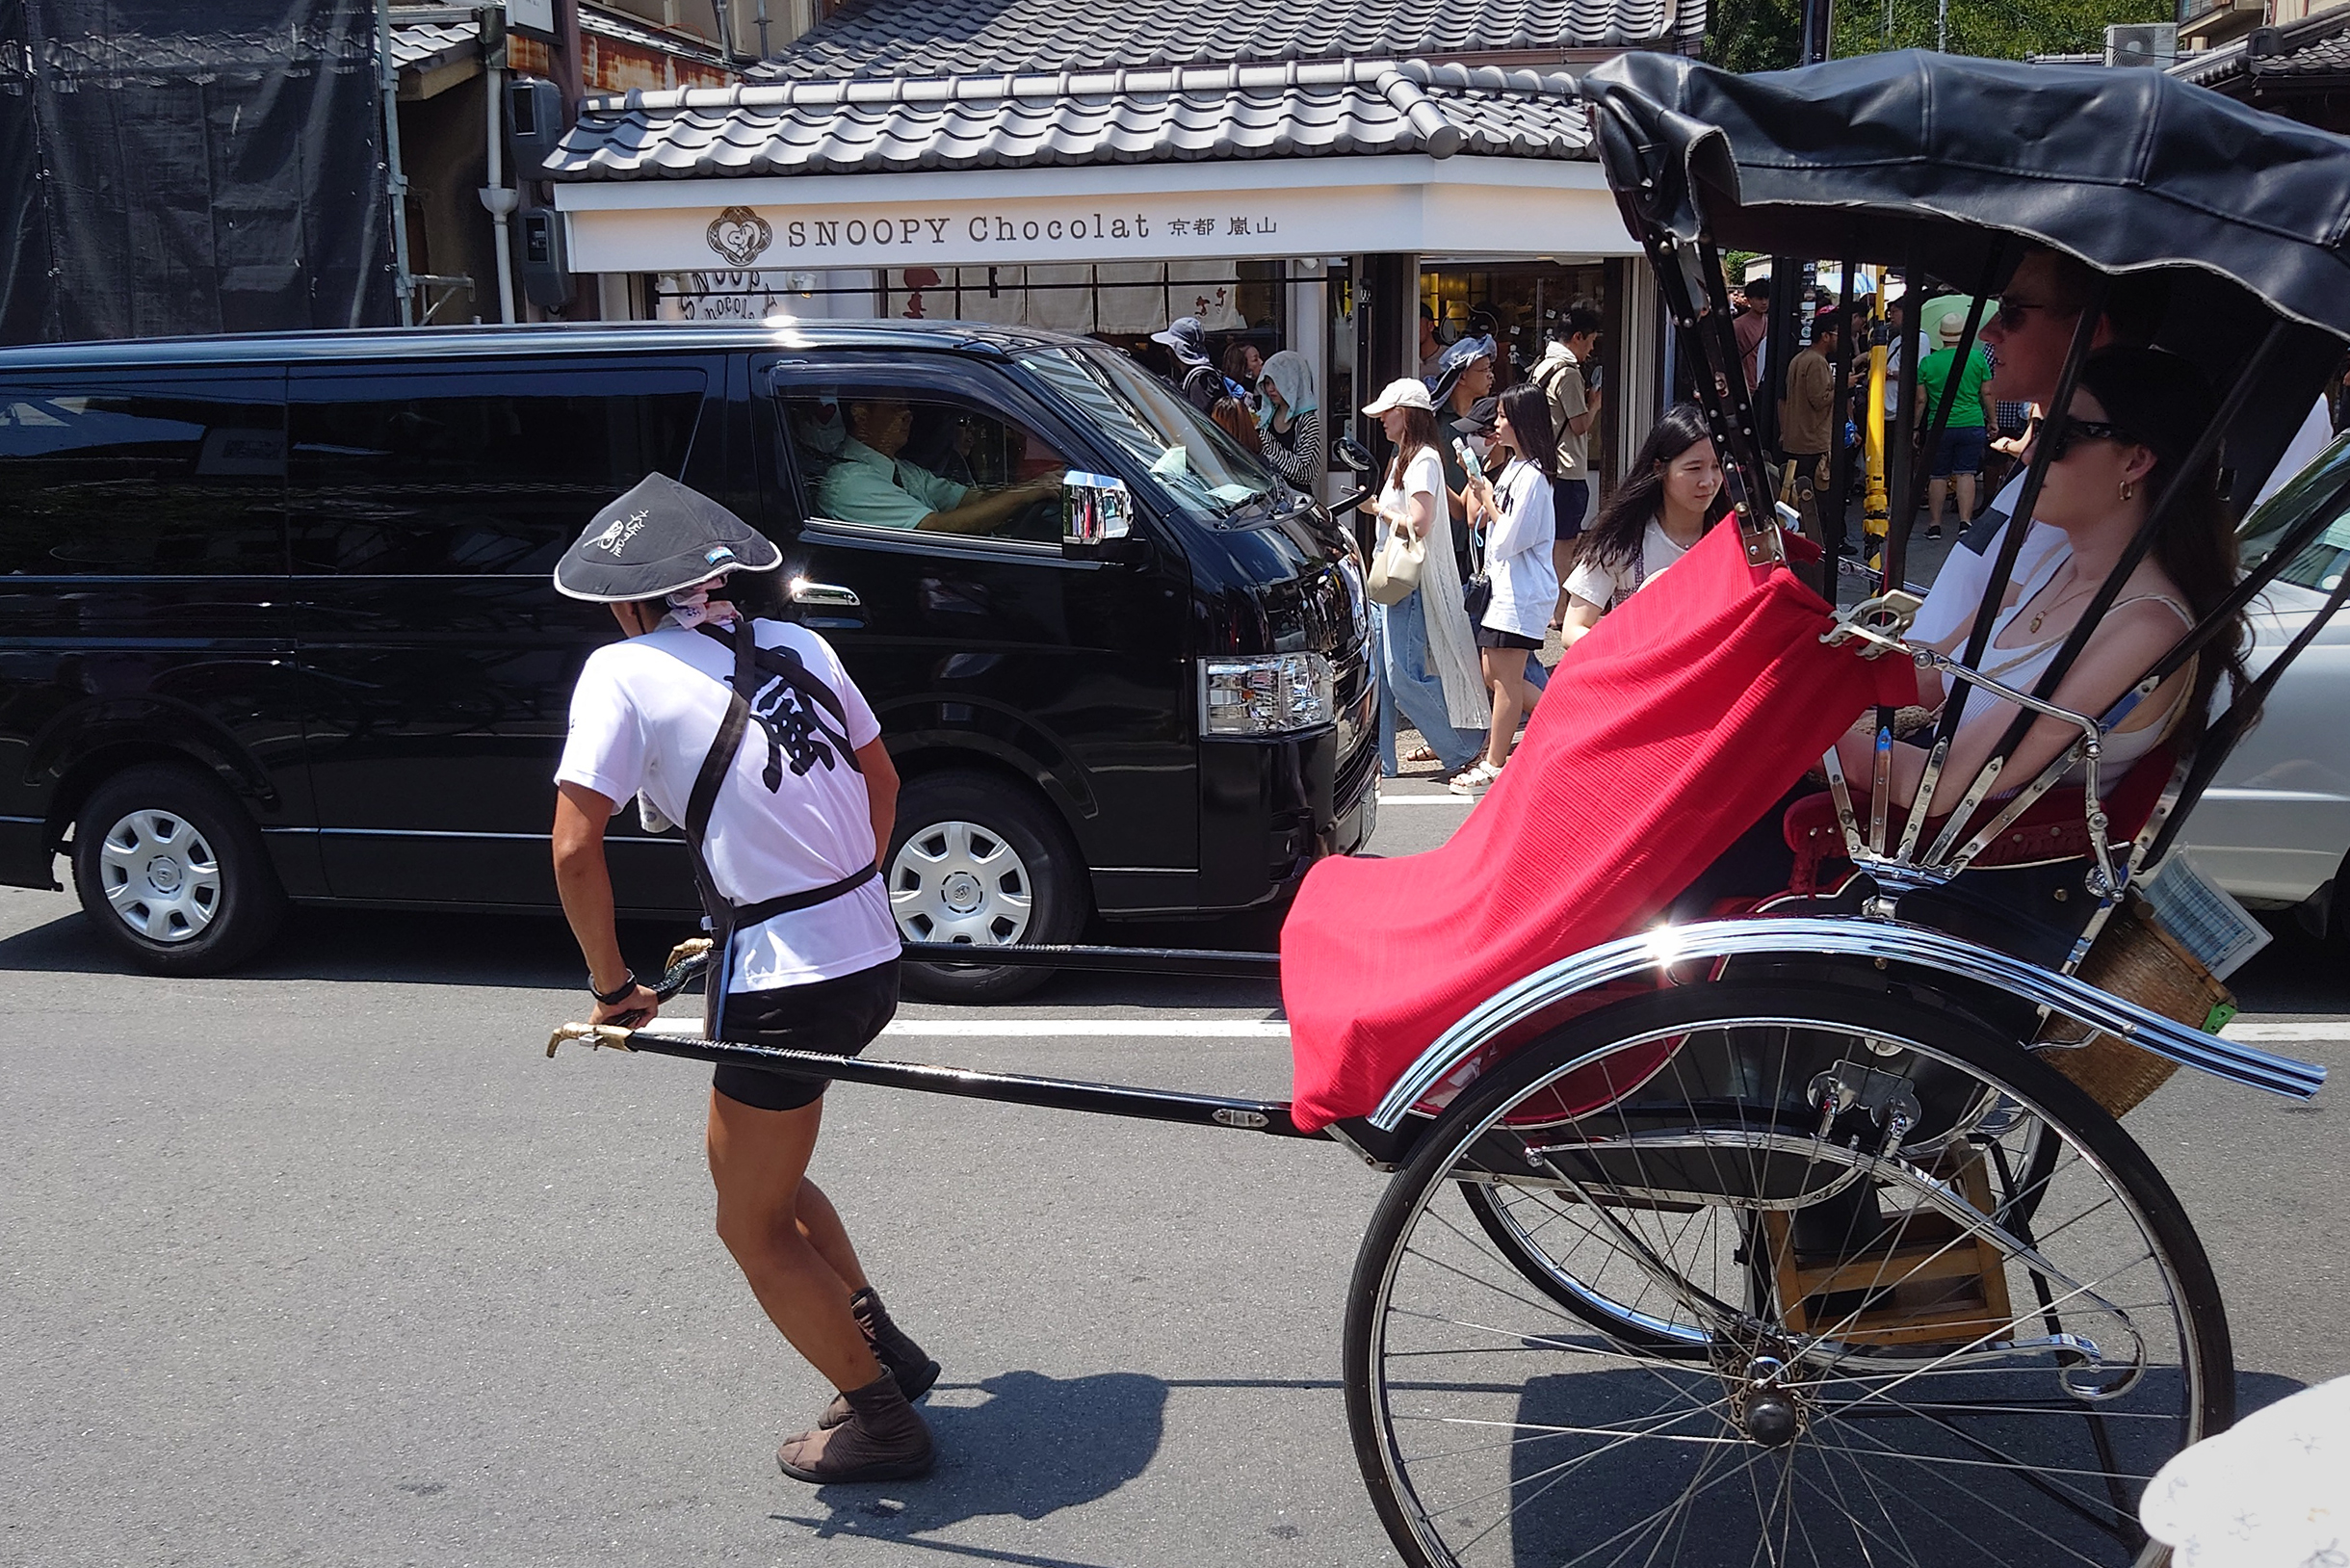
(493, 470)
(887, 457)
(157, 478)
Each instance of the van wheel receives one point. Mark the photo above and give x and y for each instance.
(976, 861)
(170, 867)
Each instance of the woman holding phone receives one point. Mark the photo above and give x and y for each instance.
(1515, 511)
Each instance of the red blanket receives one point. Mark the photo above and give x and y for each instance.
(1664, 735)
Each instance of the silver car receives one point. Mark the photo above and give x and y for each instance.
(2274, 828)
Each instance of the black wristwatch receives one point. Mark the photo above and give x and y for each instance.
(620, 993)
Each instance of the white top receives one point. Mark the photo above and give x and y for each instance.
(1958, 588)
(1518, 553)
(1609, 584)
(1452, 640)
(643, 718)
(2022, 667)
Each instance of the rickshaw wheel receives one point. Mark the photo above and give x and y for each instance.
(1748, 1341)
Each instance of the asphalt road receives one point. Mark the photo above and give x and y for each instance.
(327, 1264)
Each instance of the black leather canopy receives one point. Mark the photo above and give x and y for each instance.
(1884, 157)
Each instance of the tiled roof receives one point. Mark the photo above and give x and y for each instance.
(424, 45)
(1297, 110)
(2315, 46)
(941, 38)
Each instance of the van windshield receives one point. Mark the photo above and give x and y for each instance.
(1193, 465)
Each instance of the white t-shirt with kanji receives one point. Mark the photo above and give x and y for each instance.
(643, 718)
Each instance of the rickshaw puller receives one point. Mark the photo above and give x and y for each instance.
(751, 735)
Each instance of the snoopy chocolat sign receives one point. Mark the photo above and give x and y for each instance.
(743, 236)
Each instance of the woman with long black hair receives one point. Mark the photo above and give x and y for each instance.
(1515, 510)
(1671, 496)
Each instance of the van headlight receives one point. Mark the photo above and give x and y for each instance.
(1272, 694)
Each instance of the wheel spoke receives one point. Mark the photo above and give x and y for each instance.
(1701, 1378)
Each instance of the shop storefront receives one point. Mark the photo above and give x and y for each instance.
(1306, 205)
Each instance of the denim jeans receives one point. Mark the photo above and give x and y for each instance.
(1400, 635)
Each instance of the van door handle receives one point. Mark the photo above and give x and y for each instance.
(825, 595)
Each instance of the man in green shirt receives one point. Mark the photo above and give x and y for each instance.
(1959, 454)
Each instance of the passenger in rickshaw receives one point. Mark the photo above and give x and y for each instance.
(2028, 337)
(1651, 520)
(2136, 414)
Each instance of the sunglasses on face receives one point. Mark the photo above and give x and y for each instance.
(2009, 318)
(2073, 431)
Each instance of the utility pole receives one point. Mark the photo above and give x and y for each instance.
(1819, 19)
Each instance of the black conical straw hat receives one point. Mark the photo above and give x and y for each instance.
(659, 538)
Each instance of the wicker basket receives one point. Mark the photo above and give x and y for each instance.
(2136, 959)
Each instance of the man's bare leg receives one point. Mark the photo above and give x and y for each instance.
(821, 1224)
(758, 1161)
(1937, 491)
(1966, 500)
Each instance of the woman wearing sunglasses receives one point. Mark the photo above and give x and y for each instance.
(2135, 418)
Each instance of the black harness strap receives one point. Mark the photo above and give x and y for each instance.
(758, 914)
(753, 665)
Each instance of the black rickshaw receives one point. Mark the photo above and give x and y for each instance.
(1814, 1236)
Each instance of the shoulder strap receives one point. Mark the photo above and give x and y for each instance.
(718, 760)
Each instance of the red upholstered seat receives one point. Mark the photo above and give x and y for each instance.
(1665, 734)
(2053, 828)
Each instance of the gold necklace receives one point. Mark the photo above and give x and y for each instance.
(2050, 609)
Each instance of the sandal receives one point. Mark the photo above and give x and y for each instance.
(1474, 779)
(1422, 753)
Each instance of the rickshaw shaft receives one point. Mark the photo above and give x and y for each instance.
(1013, 1088)
(1201, 963)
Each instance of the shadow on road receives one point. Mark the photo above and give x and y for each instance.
(1036, 1445)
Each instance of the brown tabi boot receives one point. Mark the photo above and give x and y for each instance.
(898, 1354)
(883, 1440)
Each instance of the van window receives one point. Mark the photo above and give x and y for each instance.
(475, 472)
(1193, 465)
(882, 457)
(166, 479)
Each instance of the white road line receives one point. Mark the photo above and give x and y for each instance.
(1446, 799)
(2311, 1033)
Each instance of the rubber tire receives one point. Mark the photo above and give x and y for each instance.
(1694, 1005)
(1059, 900)
(252, 902)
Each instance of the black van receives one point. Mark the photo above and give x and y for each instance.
(277, 624)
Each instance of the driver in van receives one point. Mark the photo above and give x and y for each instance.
(872, 484)
(750, 735)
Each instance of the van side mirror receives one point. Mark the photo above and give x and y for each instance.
(1354, 454)
(1095, 507)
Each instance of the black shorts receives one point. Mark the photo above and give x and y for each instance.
(1570, 501)
(841, 1016)
(1488, 636)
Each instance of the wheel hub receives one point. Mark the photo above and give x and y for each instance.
(160, 874)
(1768, 1408)
(962, 893)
